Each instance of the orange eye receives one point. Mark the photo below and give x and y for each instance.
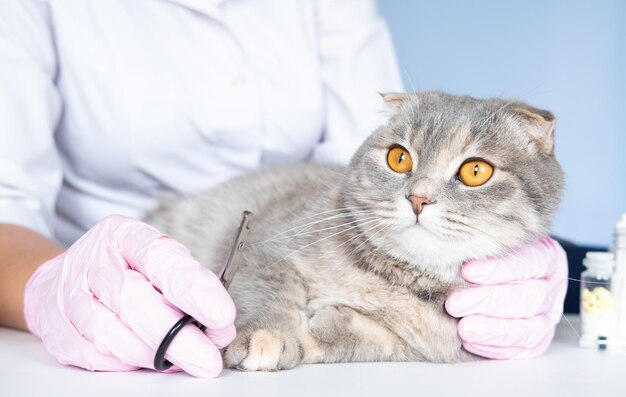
(475, 172)
(399, 160)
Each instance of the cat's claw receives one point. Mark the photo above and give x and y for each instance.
(263, 350)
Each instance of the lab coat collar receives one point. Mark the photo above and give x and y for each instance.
(206, 7)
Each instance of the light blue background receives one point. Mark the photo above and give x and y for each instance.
(565, 56)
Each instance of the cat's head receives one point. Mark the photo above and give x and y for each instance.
(451, 178)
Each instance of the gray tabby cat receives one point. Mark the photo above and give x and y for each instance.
(354, 263)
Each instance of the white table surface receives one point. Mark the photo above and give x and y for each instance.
(566, 370)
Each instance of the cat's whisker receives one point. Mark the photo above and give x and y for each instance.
(389, 230)
(588, 282)
(341, 215)
(291, 236)
(571, 325)
(348, 241)
(370, 237)
(307, 225)
(295, 231)
(340, 209)
(449, 232)
(492, 239)
(284, 240)
(318, 241)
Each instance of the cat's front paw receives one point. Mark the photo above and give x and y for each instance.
(263, 350)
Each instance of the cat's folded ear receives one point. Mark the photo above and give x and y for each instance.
(538, 123)
(393, 102)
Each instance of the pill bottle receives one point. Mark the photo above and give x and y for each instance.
(618, 282)
(597, 306)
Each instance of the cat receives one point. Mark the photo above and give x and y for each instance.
(353, 263)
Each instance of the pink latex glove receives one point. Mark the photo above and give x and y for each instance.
(517, 300)
(108, 301)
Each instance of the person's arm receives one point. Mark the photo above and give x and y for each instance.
(30, 170)
(21, 251)
(30, 110)
(357, 62)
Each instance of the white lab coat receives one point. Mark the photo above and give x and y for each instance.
(106, 104)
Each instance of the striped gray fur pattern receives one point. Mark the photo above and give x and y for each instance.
(338, 269)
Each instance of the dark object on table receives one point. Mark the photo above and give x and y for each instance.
(575, 254)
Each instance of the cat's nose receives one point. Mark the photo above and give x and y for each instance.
(418, 203)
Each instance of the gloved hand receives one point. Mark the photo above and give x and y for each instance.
(517, 300)
(108, 301)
